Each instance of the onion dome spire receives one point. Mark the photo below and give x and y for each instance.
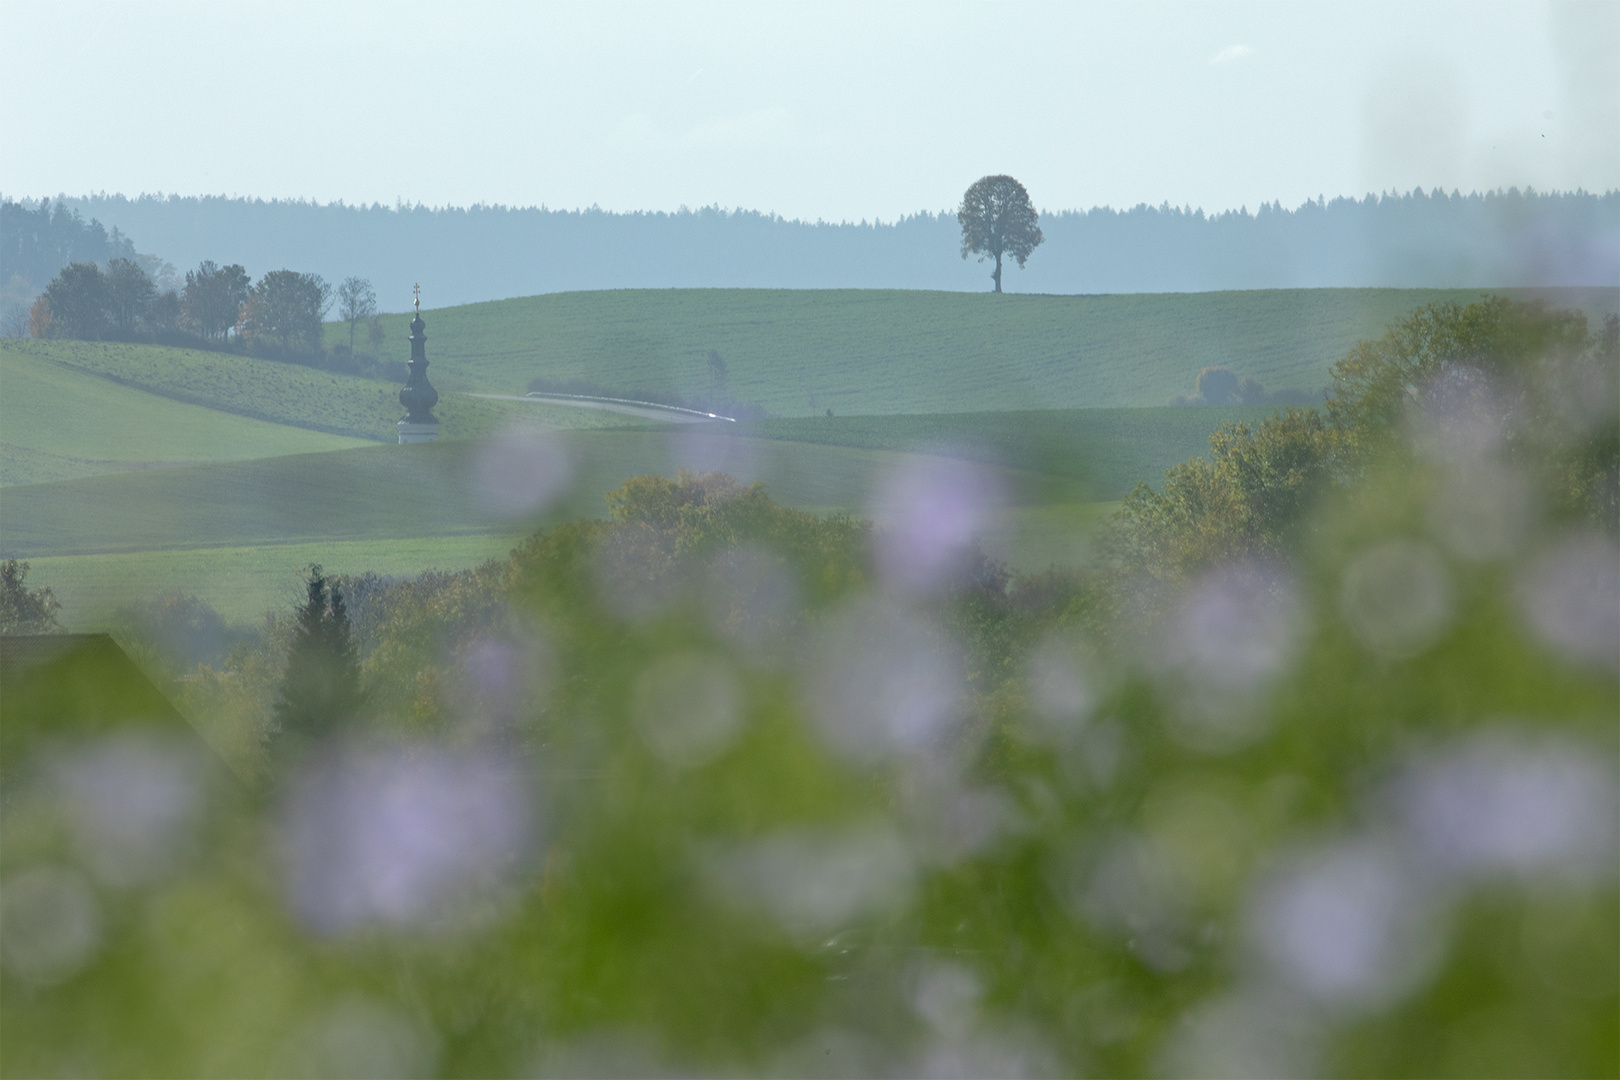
(418, 395)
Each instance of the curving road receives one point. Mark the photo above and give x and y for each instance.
(646, 409)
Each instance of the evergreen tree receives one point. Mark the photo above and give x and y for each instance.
(321, 688)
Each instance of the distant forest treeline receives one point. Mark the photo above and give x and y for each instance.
(460, 255)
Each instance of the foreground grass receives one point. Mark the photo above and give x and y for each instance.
(242, 583)
(800, 352)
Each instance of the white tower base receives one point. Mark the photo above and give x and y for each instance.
(409, 432)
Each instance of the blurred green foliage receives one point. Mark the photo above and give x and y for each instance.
(1315, 776)
(1449, 381)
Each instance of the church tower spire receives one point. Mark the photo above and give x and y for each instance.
(418, 395)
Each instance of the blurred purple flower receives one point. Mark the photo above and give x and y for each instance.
(134, 800)
(931, 510)
(1502, 802)
(1350, 925)
(403, 836)
(521, 471)
(1570, 596)
(1234, 627)
(878, 682)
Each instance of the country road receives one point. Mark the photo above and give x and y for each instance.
(647, 409)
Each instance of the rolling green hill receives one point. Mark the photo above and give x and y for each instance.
(864, 352)
(1111, 449)
(266, 390)
(237, 533)
(56, 423)
(383, 492)
(433, 489)
(241, 583)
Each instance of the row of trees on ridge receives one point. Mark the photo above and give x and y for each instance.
(282, 314)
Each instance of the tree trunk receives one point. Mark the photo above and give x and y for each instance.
(997, 274)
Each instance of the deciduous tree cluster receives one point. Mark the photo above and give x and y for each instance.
(280, 316)
(1496, 377)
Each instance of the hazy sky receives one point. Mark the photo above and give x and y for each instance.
(839, 111)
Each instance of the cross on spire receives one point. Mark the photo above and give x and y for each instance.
(416, 290)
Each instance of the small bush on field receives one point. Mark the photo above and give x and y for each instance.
(1220, 386)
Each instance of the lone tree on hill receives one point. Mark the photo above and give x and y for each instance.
(321, 688)
(998, 219)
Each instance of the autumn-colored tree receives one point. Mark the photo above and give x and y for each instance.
(39, 317)
(287, 306)
(998, 219)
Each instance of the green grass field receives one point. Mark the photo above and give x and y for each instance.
(242, 583)
(1112, 449)
(57, 423)
(426, 490)
(269, 467)
(864, 352)
(431, 489)
(265, 390)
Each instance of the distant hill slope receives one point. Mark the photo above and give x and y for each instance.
(57, 423)
(433, 490)
(1111, 450)
(72, 381)
(429, 489)
(869, 352)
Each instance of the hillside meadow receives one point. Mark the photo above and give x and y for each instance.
(1112, 450)
(385, 492)
(423, 490)
(236, 535)
(877, 351)
(243, 583)
(266, 462)
(57, 422)
(139, 469)
(128, 377)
